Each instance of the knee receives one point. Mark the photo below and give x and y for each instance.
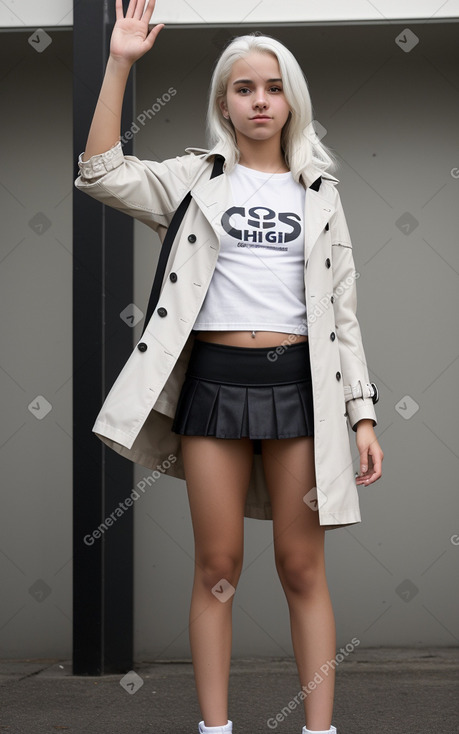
(300, 574)
(218, 567)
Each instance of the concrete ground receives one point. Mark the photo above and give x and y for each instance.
(377, 691)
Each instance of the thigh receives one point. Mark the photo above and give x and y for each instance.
(288, 465)
(217, 473)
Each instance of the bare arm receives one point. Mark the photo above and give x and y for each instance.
(105, 128)
(130, 40)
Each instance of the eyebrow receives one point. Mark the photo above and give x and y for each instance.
(250, 81)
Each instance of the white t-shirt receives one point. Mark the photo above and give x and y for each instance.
(258, 281)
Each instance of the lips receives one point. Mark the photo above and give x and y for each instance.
(260, 117)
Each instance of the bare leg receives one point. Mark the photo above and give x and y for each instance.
(299, 554)
(217, 476)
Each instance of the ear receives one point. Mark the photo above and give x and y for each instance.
(223, 107)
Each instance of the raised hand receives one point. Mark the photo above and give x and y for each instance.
(130, 37)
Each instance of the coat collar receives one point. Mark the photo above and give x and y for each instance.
(310, 174)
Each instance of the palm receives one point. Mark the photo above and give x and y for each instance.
(130, 36)
(128, 39)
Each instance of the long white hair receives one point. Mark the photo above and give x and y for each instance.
(300, 145)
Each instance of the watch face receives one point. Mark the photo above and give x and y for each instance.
(375, 396)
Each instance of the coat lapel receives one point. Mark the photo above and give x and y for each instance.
(317, 212)
(213, 198)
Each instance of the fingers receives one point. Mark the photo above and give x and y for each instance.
(151, 38)
(138, 11)
(135, 9)
(372, 471)
(364, 461)
(139, 8)
(119, 9)
(149, 9)
(131, 9)
(377, 461)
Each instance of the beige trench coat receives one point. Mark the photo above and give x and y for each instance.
(136, 417)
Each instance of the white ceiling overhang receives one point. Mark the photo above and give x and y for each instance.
(33, 14)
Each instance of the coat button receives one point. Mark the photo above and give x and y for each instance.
(327, 262)
(333, 336)
(332, 299)
(142, 347)
(173, 277)
(191, 238)
(338, 376)
(162, 311)
(327, 227)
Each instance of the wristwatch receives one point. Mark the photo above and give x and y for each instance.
(367, 390)
(375, 396)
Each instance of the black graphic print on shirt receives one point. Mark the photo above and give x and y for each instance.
(259, 225)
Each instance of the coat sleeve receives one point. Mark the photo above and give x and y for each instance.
(147, 190)
(352, 355)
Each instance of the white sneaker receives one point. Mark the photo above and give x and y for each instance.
(227, 729)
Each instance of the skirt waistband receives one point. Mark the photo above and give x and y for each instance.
(233, 365)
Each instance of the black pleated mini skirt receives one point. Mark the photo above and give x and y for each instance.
(254, 392)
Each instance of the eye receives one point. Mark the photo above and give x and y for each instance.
(277, 89)
(243, 89)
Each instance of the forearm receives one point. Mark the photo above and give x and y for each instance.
(105, 128)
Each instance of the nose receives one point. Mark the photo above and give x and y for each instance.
(260, 98)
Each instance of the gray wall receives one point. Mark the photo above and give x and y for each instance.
(392, 118)
(36, 347)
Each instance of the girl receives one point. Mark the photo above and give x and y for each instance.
(272, 361)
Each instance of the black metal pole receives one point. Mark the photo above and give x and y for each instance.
(102, 341)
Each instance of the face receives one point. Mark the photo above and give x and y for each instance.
(255, 99)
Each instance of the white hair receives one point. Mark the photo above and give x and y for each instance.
(300, 145)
